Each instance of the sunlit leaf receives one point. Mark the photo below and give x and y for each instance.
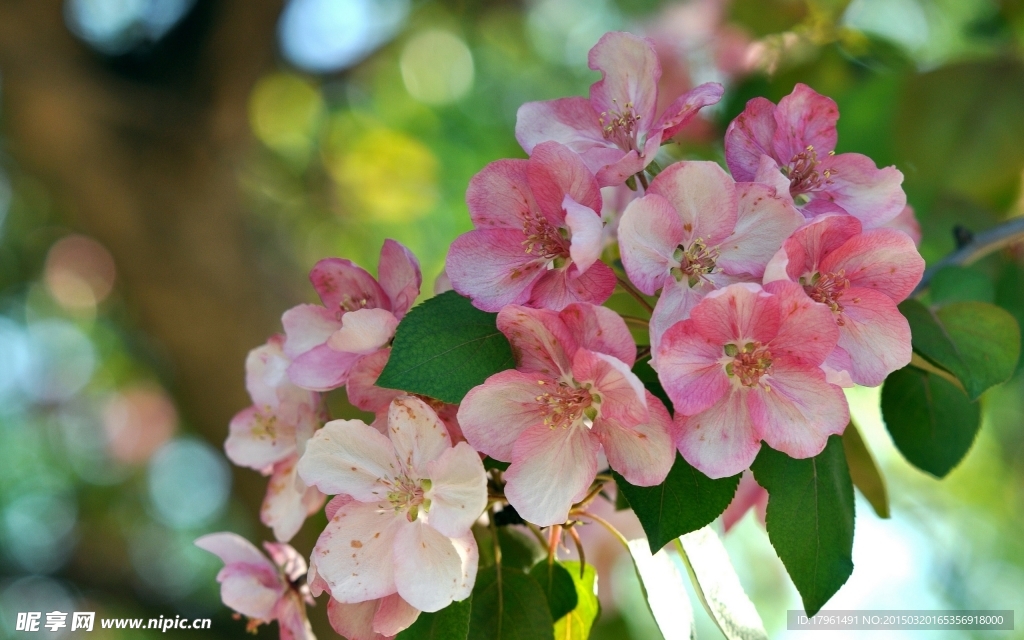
(664, 591)
(509, 605)
(450, 623)
(864, 471)
(558, 586)
(576, 624)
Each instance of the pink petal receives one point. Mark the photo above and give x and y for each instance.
(570, 121)
(803, 252)
(649, 233)
(258, 440)
(907, 222)
(770, 173)
(353, 621)
(355, 553)
(763, 223)
(232, 548)
(251, 592)
(875, 334)
(675, 304)
(552, 467)
(586, 230)
(394, 615)
(511, 395)
(491, 267)
(291, 562)
(342, 283)
(749, 495)
(540, 340)
(599, 329)
(322, 368)
(458, 493)
(337, 502)
(807, 329)
(749, 137)
(629, 75)
(362, 389)
(350, 457)
(703, 195)
(883, 260)
(558, 288)
(805, 118)
(499, 196)
(555, 172)
(363, 331)
(288, 501)
(400, 277)
(685, 108)
(291, 618)
(418, 434)
(623, 398)
(307, 326)
(691, 368)
(428, 567)
(872, 195)
(800, 411)
(837, 367)
(266, 369)
(618, 168)
(722, 440)
(739, 313)
(642, 454)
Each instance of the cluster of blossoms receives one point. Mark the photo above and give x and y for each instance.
(776, 285)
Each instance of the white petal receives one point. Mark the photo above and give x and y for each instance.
(363, 331)
(587, 228)
(428, 567)
(354, 554)
(459, 492)
(418, 434)
(232, 548)
(350, 457)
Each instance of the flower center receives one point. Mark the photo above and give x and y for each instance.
(748, 364)
(544, 241)
(348, 303)
(695, 263)
(406, 494)
(567, 404)
(827, 288)
(620, 127)
(803, 174)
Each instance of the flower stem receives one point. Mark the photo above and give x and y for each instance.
(607, 525)
(637, 322)
(643, 181)
(633, 292)
(983, 244)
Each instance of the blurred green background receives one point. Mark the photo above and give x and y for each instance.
(171, 169)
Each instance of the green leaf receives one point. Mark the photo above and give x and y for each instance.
(685, 502)
(977, 342)
(961, 284)
(864, 472)
(932, 423)
(490, 463)
(810, 518)
(444, 347)
(519, 550)
(557, 585)
(663, 589)
(509, 605)
(718, 587)
(649, 377)
(450, 623)
(1010, 294)
(576, 624)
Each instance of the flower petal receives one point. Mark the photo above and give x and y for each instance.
(428, 567)
(690, 368)
(418, 434)
(491, 267)
(803, 252)
(288, 501)
(258, 440)
(738, 313)
(586, 230)
(362, 389)
(394, 615)
(249, 590)
(342, 283)
(499, 196)
(804, 118)
(749, 137)
(642, 454)
(322, 368)
(363, 331)
(540, 340)
(458, 492)
(807, 329)
(355, 553)
(353, 621)
(875, 334)
(232, 548)
(599, 329)
(629, 75)
(350, 457)
(291, 618)
(470, 556)
(722, 440)
(703, 195)
(685, 108)
(621, 392)
(400, 276)
(307, 326)
(558, 288)
(883, 260)
(510, 395)
(570, 121)
(872, 195)
(555, 172)
(674, 305)
(552, 468)
(763, 223)
(649, 233)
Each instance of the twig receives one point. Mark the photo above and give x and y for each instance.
(633, 292)
(984, 243)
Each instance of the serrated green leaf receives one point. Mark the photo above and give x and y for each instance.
(864, 471)
(977, 342)
(558, 586)
(961, 284)
(576, 624)
(444, 347)
(519, 550)
(810, 518)
(685, 502)
(663, 589)
(932, 423)
(509, 605)
(450, 623)
(718, 587)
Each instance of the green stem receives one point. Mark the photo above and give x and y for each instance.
(628, 288)
(983, 244)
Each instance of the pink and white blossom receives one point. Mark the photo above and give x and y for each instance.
(538, 235)
(358, 317)
(859, 277)
(410, 500)
(792, 146)
(270, 436)
(571, 397)
(617, 131)
(696, 231)
(259, 588)
(746, 367)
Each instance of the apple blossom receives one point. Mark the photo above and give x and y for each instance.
(538, 235)
(359, 316)
(746, 367)
(617, 131)
(270, 436)
(261, 589)
(696, 231)
(791, 146)
(860, 278)
(413, 498)
(571, 397)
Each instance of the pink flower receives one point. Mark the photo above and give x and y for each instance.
(270, 436)
(696, 231)
(746, 367)
(617, 131)
(411, 499)
(538, 235)
(571, 396)
(259, 589)
(359, 316)
(860, 278)
(791, 146)
(907, 222)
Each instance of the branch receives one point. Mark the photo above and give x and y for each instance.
(983, 244)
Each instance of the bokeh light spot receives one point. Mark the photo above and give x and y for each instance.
(189, 483)
(437, 67)
(79, 272)
(117, 26)
(63, 360)
(137, 422)
(284, 111)
(329, 35)
(37, 526)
